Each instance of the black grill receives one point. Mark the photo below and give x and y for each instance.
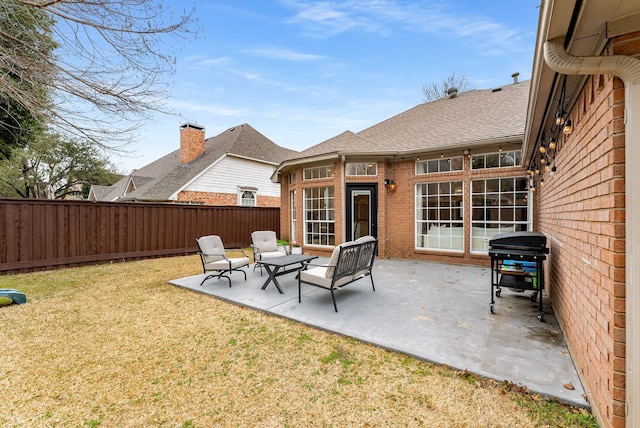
(517, 263)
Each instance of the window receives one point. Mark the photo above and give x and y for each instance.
(439, 212)
(294, 228)
(292, 178)
(497, 160)
(362, 168)
(498, 205)
(432, 166)
(318, 172)
(319, 216)
(248, 199)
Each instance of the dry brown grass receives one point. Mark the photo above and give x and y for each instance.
(116, 346)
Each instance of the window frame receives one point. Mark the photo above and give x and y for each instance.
(319, 202)
(362, 166)
(429, 164)
(495, 200)
(444, 229)
(517, 156)
(318, 172)
(242, 198)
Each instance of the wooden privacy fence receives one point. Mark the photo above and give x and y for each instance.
(43, 234)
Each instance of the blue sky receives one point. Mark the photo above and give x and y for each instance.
(301, 72)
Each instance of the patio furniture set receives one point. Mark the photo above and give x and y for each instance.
(349, 262)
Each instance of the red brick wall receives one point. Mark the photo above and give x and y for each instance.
(581, 209)
(191, 143)
(396, 209)
(209, 198)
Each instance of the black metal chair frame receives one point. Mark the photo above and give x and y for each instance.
(220, 273)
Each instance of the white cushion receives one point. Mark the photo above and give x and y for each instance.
(318, 276)
(236, 262)
(271, 255)
(366, 238)
(264, 240)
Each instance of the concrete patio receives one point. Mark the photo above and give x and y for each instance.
(432, 311)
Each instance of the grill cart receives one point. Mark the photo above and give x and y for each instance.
(517, 263)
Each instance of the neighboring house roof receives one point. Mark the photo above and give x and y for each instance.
(165, 177)
(476, 117)
(99, 193)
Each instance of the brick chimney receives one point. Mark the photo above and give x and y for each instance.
(191, 142)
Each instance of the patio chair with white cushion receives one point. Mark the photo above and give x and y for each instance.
(214, 259)
(265, 246)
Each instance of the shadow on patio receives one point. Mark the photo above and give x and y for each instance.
(432, 311)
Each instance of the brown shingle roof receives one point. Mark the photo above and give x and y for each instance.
(477, 116)
(165, 176)
(471, 117)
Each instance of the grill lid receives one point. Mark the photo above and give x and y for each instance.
(525, 241)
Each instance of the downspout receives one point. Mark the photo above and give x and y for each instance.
(626, 68)
(343, 192)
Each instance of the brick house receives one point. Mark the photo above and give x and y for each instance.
(232, 168)
(586, 73)
(433, 182)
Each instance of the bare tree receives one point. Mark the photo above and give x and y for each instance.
(436, 90)
(105, 75)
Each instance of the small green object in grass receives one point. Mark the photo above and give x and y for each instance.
(5, 301)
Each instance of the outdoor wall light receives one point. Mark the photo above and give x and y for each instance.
(568, 127)
(391, 185)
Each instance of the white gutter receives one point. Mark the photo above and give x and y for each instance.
(343, 191)
(628, 69)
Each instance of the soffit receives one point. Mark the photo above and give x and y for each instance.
(584, 25)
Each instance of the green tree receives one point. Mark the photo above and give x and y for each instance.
(56, 168)
(26, 48)
(105, 76)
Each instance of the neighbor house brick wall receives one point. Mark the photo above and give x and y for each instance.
(581, 210)
(209, 198)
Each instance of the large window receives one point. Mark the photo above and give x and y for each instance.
(497, 160)
(498, 205)
(439, 216)
(432, 166)
(319, 216)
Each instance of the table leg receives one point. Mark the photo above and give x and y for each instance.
(272, 277)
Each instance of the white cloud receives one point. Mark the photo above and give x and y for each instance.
(330, 17)
(284, 54)
(207, 108)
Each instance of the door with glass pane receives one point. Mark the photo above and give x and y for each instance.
(362, 210)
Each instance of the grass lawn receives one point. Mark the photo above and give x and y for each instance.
(116, 346)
